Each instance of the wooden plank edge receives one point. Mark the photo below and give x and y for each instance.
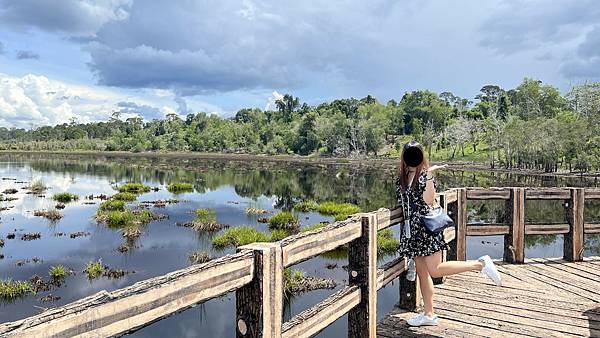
(487, 229)
(311, 321)
(546, 229)
(591, 228)
(547, 193)
(390, 271)
(488, 194)
(306, 245)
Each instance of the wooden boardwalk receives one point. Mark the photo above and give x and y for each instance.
(542, 298)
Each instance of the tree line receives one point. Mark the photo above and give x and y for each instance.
(531, 126)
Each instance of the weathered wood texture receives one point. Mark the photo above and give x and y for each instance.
(541, 298)
(310, 322)
(573, 240)
(390, 271)
(386, 218)
(305, 245)
(113, 313)
(362, 272)
(461, 225)
(514, 242)
(259, 304)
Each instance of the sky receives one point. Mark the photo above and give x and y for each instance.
(64, 60)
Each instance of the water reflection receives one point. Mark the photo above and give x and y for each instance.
(228, 187)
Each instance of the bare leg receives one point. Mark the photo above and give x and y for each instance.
(438, 269)
(426, 285)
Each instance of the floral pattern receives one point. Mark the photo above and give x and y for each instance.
(420, 242)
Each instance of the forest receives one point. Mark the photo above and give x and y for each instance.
(532, 126)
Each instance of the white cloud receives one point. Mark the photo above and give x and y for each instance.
(272, 99)
(34, 100)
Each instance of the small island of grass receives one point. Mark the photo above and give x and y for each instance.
(11, 289)
(65, 197)
(180, 187)
(136, 188)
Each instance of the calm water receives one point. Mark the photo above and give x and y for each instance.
(228, 187)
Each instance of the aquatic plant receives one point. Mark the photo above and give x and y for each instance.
(37, 186)
(306, 206)
(255, 211)
(292, 279)
(124, 196)
(137, 188)
(314, 226)
(199, 257)
(387, 243)
(11, 289)
(179, 187)
(51, 214)
(65, 197)
(58, 272)
(112, 205)
(284, 220)
(239, 236)
(121, 219)
(340, 211)
(132, 232)
(279, 234)
(206, 215)
(94, 269)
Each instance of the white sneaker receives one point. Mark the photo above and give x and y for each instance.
(489, 269)
(423, 320)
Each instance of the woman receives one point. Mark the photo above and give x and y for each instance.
(415, 190)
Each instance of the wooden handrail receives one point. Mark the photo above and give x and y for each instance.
(255, 272)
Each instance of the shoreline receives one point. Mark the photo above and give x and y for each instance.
(389, 161)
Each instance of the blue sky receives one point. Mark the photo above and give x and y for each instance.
(84, 59)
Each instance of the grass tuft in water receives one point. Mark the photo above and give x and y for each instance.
(179, 187)
(306, 206)
(137, 188)
(112, 205)
(199, 257)
(292, 279)
(239, 236)
(314, 227)
(58, 272)
(52, 214)
(125, 196)
(65, 197)
(122, 219)
(387, 243)
(11, 289)
(340, 211)
(94, 269)
(37, 186)
(279, 234)
(284, 220)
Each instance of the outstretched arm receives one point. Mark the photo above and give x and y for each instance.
(429, 193)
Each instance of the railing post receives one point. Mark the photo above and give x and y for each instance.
(458, 248)
(259, 305)
(573, 240)
(514, 242)
(444, 205)
(410, 293)
(362, 270)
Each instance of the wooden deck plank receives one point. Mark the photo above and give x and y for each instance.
(572, 268)
(553, 285)
(541, 298)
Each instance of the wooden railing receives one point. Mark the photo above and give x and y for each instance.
(255, 273)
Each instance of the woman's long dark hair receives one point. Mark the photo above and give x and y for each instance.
(412, 148)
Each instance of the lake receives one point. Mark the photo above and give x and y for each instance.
(228, 187)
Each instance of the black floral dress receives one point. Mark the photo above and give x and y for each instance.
(419, 243)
